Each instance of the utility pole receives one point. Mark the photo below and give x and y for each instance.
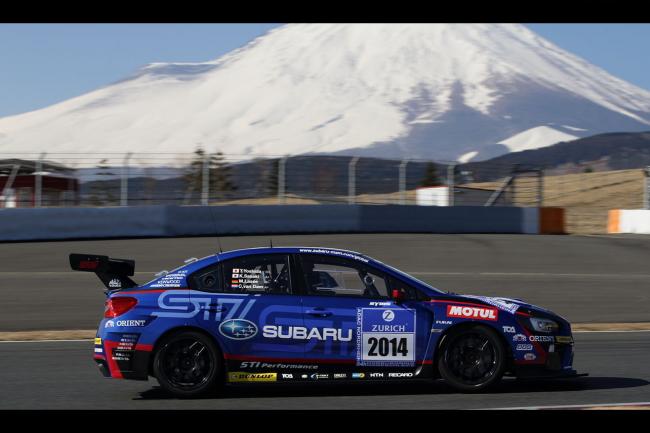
(282, 186)
(352, 180)
(451, 170)
(38, 181)
(124, 193)
(205, 192)
(402, 181)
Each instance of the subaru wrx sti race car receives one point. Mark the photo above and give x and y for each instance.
(313, 314)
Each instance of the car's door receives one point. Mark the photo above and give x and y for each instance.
(244, 301)
(351, 319)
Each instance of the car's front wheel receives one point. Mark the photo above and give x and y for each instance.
(187, 364)
(472, 358)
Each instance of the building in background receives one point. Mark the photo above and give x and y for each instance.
(25, 183)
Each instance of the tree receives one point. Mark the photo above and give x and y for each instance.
(100, 189)
(219, 174)
(267, 178)
(431, 177)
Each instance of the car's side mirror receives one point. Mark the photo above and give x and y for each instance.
(398, 296)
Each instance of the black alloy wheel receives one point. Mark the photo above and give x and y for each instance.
(187, 364)
(472, 358)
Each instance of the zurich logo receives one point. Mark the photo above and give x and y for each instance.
(388, 315)
(238, 329)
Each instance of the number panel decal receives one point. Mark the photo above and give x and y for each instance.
(386, 337)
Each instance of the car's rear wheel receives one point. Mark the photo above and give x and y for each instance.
(472, 358)
(187, 364)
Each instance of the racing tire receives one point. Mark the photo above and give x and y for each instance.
(472, 358)
(187, 364)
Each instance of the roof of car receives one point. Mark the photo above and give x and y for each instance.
(276, 250)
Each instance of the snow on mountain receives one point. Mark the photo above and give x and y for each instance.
(535, 138)
(435, 91)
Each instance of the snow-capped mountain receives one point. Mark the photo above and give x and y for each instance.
(435, 91)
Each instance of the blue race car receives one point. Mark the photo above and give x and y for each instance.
(313, 314)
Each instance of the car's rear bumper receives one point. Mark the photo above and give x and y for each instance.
(120, 356)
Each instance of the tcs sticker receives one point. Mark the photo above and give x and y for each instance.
(385, 337)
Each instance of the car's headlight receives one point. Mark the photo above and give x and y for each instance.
(543, 325)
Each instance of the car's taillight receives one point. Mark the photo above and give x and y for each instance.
(118, 305)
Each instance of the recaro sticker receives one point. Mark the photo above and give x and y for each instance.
(385, 337)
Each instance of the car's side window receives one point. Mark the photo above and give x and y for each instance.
(207, 279)
(334, 276)
(410, 293)
(257, 273)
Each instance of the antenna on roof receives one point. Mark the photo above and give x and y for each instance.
(216, 226)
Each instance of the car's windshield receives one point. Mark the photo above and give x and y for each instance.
(410, 277)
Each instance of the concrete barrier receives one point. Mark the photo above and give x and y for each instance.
(167, 221)
(629, 221)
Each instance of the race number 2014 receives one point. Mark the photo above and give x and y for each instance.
(387, 336)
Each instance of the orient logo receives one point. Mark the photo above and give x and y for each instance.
(132, 323)
(542, 338)
(481, 313)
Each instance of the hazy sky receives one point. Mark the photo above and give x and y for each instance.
(41, 64)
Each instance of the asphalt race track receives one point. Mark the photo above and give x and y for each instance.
(583, 278)
(62, 375)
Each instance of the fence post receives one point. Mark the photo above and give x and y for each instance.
(402, 181)
(38, 181)
(282, 186)
(513, 189)
(205, 192)
(540, 187)
(646, 188)
(352, 180)
(451, 170)
(124, 190)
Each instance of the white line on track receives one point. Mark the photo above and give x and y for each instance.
(569, 406)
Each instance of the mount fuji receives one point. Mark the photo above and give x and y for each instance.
(464, 92)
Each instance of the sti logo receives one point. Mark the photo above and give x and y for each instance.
(388, 315)
(482, 313)
(238, 329)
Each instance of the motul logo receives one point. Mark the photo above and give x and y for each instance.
(472, 312)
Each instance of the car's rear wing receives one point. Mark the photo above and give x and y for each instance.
(114, 273)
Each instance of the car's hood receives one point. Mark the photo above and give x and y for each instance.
(506, 304)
